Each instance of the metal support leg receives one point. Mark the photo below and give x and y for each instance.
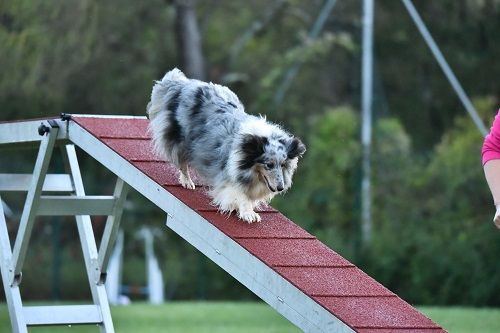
(112, 228)
(12, 294)
(31, 205)
(89, 246)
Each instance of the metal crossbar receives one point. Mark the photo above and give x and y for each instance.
(74, 202)
(56, 205)
(62, 315)
(13, 182)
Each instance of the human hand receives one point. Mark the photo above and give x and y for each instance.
(496, 219)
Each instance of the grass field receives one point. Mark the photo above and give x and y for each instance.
(201, 317)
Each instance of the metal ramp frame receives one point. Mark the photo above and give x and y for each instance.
(309, 284)
(75, 203)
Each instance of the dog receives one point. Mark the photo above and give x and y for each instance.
(243, 159)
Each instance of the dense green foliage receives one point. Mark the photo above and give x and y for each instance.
(433, 241)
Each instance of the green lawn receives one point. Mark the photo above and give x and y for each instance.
(200, 317)
(465, 320)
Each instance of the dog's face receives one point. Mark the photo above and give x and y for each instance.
(272, 160)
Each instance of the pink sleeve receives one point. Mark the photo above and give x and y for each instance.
(491, 145)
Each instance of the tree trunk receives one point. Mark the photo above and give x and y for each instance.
(188, 40)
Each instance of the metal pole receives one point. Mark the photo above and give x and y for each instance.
(366, 118)
(444, 66)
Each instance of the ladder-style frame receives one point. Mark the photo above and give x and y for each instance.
(74, 203)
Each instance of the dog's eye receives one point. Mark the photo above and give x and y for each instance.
(270, 165)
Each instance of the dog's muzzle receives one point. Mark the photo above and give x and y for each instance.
(279, 188)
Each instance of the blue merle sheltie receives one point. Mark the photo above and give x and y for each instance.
(244, 159)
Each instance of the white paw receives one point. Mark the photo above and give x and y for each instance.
(224, 209)
(249, 216)
(186, 182)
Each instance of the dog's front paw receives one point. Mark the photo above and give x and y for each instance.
(249, 216)
(186, 182)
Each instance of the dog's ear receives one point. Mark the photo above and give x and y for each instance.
(252, 147)
(295, 148)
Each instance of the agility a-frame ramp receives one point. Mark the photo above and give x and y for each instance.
(309, 284)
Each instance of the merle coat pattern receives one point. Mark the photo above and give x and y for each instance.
(244, 159)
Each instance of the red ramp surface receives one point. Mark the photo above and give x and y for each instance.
(359, 302)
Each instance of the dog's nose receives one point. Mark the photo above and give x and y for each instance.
(280, 188)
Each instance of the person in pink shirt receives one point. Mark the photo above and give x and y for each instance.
(491, 164)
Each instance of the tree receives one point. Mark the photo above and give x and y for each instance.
(188, 39)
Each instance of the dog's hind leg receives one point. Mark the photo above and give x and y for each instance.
(185, 178)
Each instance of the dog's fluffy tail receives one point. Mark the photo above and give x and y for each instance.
(159, 115)
(173, 75)
(160, 90)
